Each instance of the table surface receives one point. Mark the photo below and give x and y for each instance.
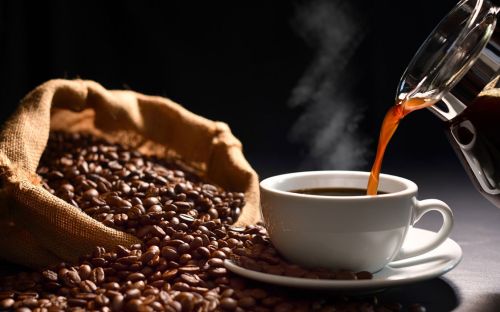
(474, 284)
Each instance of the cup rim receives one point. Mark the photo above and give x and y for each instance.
(410, 186)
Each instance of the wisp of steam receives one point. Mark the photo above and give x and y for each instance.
(329, 124)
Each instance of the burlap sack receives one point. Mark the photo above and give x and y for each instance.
(37, 228)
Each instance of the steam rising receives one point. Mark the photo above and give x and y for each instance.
(332, 111)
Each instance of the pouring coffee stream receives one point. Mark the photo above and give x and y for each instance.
(389, 126)
(457, 62)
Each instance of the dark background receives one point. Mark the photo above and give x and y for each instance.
(238, 62)
(231, 61)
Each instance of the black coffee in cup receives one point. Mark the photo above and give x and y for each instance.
(334, 191)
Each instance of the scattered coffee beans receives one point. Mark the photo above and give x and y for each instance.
(185, 229)
(262, 256)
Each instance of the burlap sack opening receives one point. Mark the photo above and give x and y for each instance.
(37, 228)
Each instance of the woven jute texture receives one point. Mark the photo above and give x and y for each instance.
(37, 228)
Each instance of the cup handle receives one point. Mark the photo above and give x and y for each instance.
(421, 208)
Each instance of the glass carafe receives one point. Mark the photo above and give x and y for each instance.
(459, 60)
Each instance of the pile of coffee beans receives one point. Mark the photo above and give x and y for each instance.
(184, 225)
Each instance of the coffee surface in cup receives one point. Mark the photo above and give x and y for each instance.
(334, 191)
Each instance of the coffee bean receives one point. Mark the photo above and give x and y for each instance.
(246, 302)
(84, 271)
(117, 302)
(74, 302)
(181, 286)
(218, 254)
(128, 260)
(189, 269)
(101, 300)
(6, 303)
(228, 304)
(184, 247)
(133, 293)
(89, 194)
(191, 279)
(71, 278)
(203, 252)
(123, 187)
(169, 274)
(154, 209)
(258, 293)
(364, 275)
(215, 262)
(133, 305)
(114, 165)
(186, 218)
(152, 252)
(50, 275)
(197, 242)
(185, 258)
(345, 275)
(134, 277)
(87, 286)
(169, 253)
(217, 272)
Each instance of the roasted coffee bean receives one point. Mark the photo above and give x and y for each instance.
(345, 275)
(97, 275)
(203, 252)
(117, 303)
(215, 262)
(133, 293)
(183, 248)
(71, 278)
(218, 254)
(189, 278)
(181, 286)
(6, 303)
(74, 302)
(87, 286)
(246, 302)
(169, 274)
(152, 252)
(50, 275)
(134, 277)
(228, 304)
(84, 271)
(189, 269)
(90, 193)
(216, 272)
(364, 275)
(169, 253)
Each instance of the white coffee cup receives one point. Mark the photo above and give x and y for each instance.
(357, 233)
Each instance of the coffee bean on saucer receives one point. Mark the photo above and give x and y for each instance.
(364, 275)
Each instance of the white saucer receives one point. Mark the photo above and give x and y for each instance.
(426, 266)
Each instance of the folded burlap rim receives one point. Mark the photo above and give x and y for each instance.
(37, 228)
